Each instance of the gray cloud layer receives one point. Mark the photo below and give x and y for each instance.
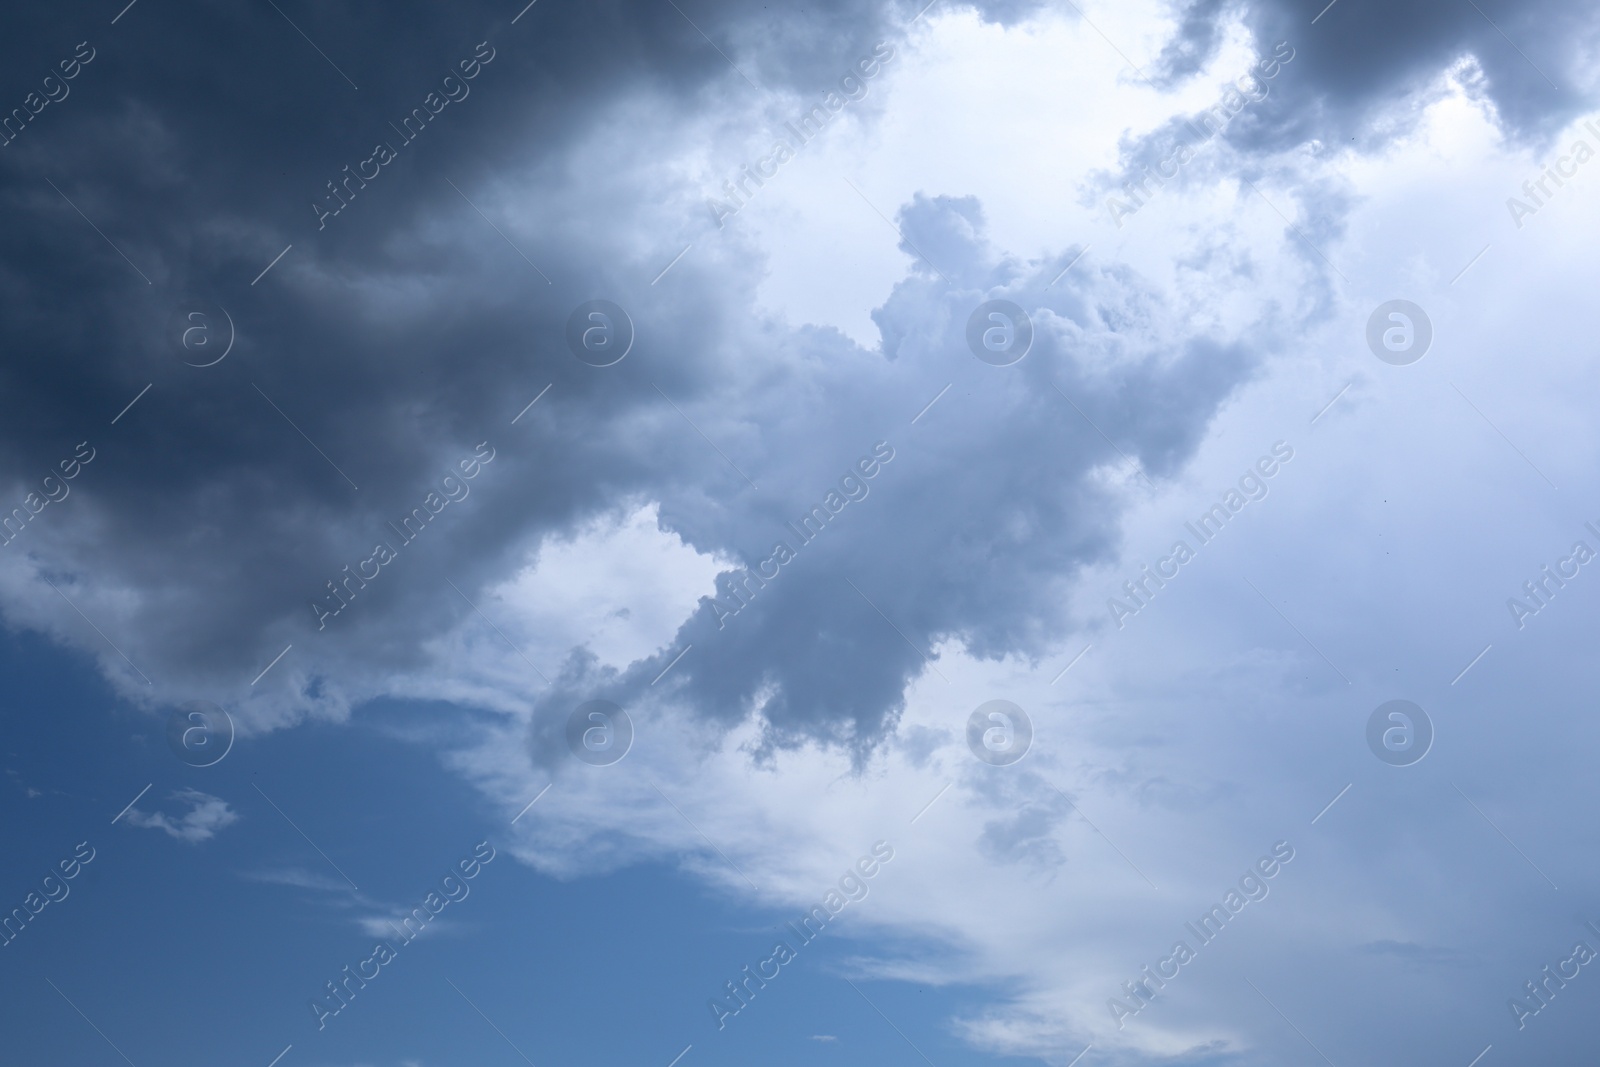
(406, 331)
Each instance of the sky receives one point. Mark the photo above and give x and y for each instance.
(684, 532)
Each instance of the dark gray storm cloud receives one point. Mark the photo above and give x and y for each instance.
(1348, 75)
(1360, 59)
(1363, 53)
(186, 152)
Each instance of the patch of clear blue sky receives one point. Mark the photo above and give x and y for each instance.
(183, 959)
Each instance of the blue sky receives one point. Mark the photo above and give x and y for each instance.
(1090, 424)
(558, 966)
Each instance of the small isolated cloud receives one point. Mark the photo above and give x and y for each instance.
(823, 1037)
(206, 815)
(383, 926)
(391, 921)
